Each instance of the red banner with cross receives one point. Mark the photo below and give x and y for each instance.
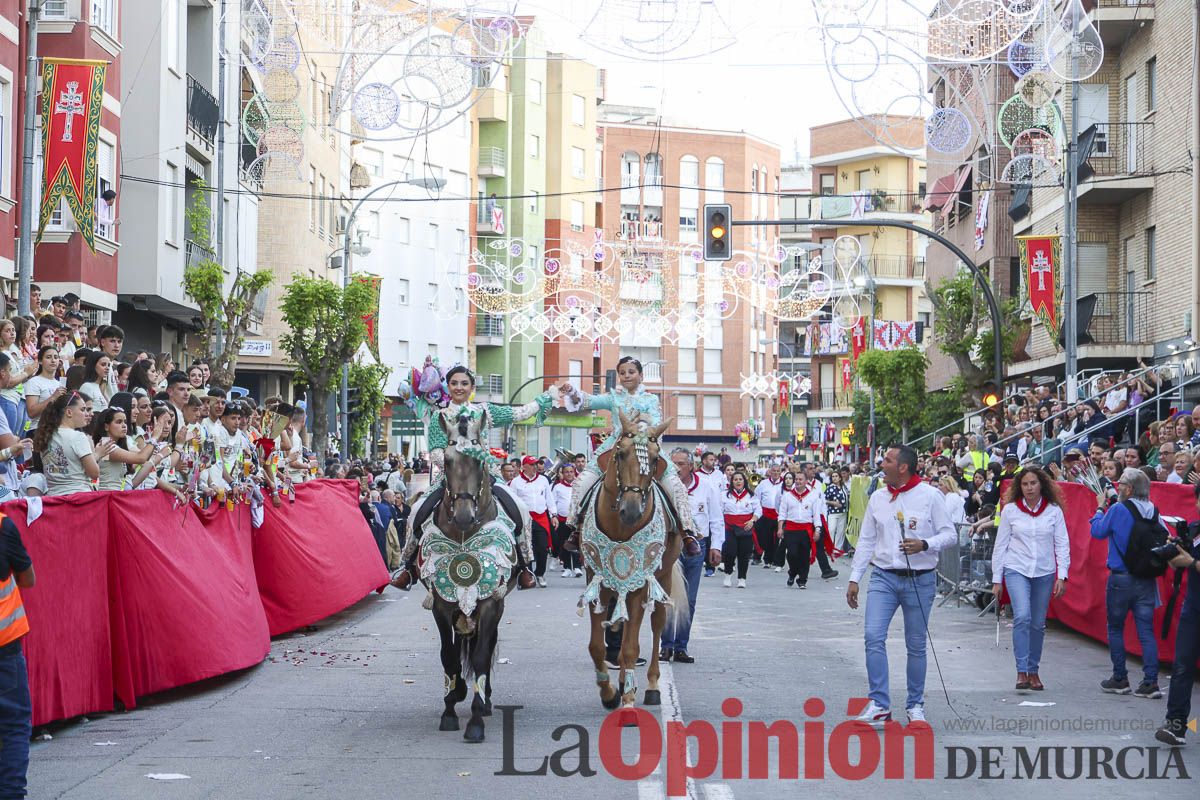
(1043, 282)
(72, 99)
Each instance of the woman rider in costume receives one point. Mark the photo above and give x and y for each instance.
(630, 398)
(461, 383)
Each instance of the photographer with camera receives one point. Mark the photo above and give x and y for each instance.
(1187, 636)
(1133, 530)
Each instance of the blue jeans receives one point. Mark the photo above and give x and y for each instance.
(15, 724)
(886, 593)
(676, 637)
(1187, 650)
(16, 414)
(1030, 601)
(1126, 593)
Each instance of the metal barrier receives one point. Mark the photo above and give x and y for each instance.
(964, 569)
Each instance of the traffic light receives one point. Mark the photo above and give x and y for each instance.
(718, 241)
(991, 394)
(353, 407)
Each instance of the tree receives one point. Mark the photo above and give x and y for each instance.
(897, 378)
(327, 327)
(368, 379)
(224, 317)
(940, 409)
(959, 308)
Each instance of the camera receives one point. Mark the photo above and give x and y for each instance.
(1166, 551)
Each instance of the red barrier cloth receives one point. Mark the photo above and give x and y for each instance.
(1082, 607)
(187, 600)
(316, 556)
(68, 647)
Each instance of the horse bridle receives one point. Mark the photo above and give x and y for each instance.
(641, 445)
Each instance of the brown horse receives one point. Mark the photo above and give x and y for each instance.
(628, 503)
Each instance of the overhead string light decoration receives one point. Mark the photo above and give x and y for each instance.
(273, 121)
(660, 30)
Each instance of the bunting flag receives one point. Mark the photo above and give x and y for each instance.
(1043, 281)
(897, 334)
(371, 318)
(847, 374)
(858, 339)
(72, 99)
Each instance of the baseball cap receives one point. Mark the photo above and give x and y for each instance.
(527, 460)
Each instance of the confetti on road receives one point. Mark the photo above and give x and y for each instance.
(464, 774)
(168, 776)
(504, 661)
(1032, 704)
(103, 744)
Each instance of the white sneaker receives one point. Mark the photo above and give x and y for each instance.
(728, 581)
(874, 716)
(578, 572)
(779, 569)
(916, 713)
(741, 583)
(541, 582)
(566, 573)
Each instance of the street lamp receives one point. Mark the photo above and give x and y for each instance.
(867, 283)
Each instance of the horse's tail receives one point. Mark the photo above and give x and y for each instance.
(681, 608)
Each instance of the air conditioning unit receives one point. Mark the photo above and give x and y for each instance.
(342, 221)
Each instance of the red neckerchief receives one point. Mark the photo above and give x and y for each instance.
(738, 497)
(529, 480)
(800, 495)
(695, 482)
(1021, 505)
(912, 482)
(708, 471)
(774, 483)
(567, 484)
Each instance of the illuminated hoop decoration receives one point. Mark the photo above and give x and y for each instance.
(406, 73)
(273, 120)
(976, 30)
(1031, 168)
(1077, 57)
(947, 130)
(1037, 89)
(659, 30)
(1016, 116)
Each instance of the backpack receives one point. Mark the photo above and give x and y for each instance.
(1144, 536)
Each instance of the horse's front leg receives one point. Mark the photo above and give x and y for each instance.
(483, 650)
(635, 604)
(455, 687)
(608, 695)
(658, 620)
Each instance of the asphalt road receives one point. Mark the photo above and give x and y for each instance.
(350, 709)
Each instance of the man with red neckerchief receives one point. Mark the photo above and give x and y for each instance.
(801, 516)
(905, 524)
(533, 489)
(768, 492)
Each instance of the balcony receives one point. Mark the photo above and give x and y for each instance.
(492, 106)
(1122, 153)
(644, 232)
(829, 400)
(492, 163)
(489, 331)
(895, 267)
(876, 204)
(194, 253)
(490, 389)
(488, 223)
(202, 113)
(1121, 318)
(1118, 19)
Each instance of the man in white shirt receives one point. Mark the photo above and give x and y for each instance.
(230, 443)
(764, 528)
(708, 471)
(706, 511)
(905, 524)
(533, 489)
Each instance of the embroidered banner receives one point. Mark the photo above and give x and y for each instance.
(981, 219)
(847, 374)
(897, 334)
(858, 339)
(825, 339)
(371, 318)
(72, 99)
(1043, 284)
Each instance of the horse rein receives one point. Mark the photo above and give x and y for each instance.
(641, 444)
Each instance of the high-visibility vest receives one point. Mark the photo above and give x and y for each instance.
(978, 462)
(13, 624)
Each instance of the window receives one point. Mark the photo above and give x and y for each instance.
(535, 146)
(105, 216)
(431, 291)
(864, 180)
(533, 202)
(687, 368)
(173, 191)
(460, 241)
(828, 184)
(373, 161)
(371, 225)
(402, 291)
(402, 230)
(712, 412)
(1151, 257)
(654, 173)
(578, 157)
(312, 198)
(578, 110)
(714, 174)
(577, 211)
(535, 256)
(689, 172)
(54, 9)
(6, 134)
(575, 373)
(459, 355)
(685, 413)
(687, 220)
(458, 184)
(535, 91)
(402, 351)
(712, 365)
(631, 165)
(433, 349)
(431, 236)
(321, 208)
(1151, 85)
(404, 168)
(104, 16)
(530, 366)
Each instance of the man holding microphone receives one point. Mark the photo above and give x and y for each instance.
(905, 524)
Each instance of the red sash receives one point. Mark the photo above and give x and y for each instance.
(805, 527)
(770, 513)
(738, 519)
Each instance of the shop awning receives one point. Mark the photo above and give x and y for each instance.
(945, 188)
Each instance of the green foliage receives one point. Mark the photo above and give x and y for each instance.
(961, 313)
(939, 409)
(224, 317)
(369, 380)
(326, 328)
(897, 377)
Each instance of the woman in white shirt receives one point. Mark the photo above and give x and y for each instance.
(741, 508)
(1031, 556)
(956, 504)
(44, 387)
(19, 369)
(95, 386)
(111, 424)
(70, 461)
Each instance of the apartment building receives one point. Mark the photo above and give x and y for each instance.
(856, 181)
(795, 202)
(697, 376)
(167, 156)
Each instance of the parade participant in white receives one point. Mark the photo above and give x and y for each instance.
(704, 504)
(709, 471)
(768, 492)
(562, 511)
(533, 490)
(904, 526)
(741, 510)
(801, 518)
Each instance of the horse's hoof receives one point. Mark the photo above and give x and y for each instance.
(474, 732)
(628, 718)
(487, 709)
(448, 723)
(612, 702)
(653, 698)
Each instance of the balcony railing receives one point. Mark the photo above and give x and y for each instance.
(829, 400)
(1122, 318)
(492, 162)
(202, 111)
(487, 325)
(493, 385)
(194, 253)
(632, 230)
(1123, 148)
(885, 266)
(485, 219)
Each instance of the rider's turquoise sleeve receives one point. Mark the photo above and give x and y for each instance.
(598, 402)
(507, 415)
(435, 437)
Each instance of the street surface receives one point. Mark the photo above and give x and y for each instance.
(350, 708)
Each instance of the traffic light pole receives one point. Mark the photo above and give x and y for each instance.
(981, 279)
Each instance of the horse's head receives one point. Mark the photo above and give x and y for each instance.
(468, 489)
(635, 459)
